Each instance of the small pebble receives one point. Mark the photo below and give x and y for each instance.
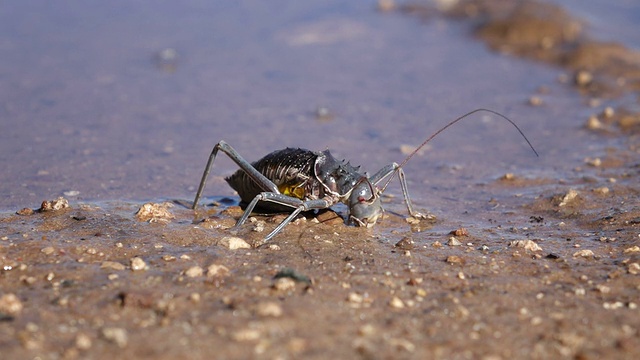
(217, 270)
(269, 308)
(83, 342)
(10, 304)
(584, 253)
(115, 335)
(284, 284)
(234, 243)
(138, 264)
(632, 249)
(246, 335)
(460, 232)
(634, 268)
(194, 271)
(48, 250)
(569, 196)
(25, 211)
(593, 162)
(583, 78)
(601, 190)
(355, 298)
(535, 100)
(112, 265)
(526, 244)
(54, 205)
(453, 242)
(154, 212)
(396, 303)
(593, 123)
(453, 259)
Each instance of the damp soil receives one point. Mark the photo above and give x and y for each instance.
(527, 257)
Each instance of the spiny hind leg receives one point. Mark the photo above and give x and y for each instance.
(255, 175)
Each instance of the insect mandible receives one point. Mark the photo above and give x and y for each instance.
(299, 180)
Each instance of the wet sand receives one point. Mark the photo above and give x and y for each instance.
(527, 257)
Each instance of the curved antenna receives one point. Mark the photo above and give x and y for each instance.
(446, 127)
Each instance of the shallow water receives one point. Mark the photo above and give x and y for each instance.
(86, 106)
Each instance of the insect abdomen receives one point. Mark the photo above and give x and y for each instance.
(291, 170)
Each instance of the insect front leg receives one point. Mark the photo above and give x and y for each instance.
(388, 170)
(255, 175)
(292, 202)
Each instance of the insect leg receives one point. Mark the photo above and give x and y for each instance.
(254, 174)
(295, 203)
(388, 170)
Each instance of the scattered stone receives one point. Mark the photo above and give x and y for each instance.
(411, 220)
(402, 344)
(535, 100)
(634, 268)
(112, 265)
(234, 243)
(508, 177)
(194, 271)
(593, 123)
(453, 242)
(116, 335)
(595, 162)
(138, 264)
(608, 112)
(355, 298)
(48, 250)
(10, 304)
(25, 212)
(386, 5)
(246, 335)
(217, 270)
(269, 308)
(601, 190)
(585, 253)
(405, 243)
(396, 303)
(284, 284)
(583, 78)
(455, 260)
(168, 257)
(526, 244)
(633, 249)
(459, 232)
(154, 212)
(54, 205)
(274, 247)
(83, 342)
(568, 197)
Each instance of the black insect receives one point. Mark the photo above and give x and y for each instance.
(299, 180)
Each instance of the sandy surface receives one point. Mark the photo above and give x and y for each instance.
(527, 258)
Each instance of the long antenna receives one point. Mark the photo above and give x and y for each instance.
(445, 128)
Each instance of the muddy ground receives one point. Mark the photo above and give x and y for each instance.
(550, 269)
